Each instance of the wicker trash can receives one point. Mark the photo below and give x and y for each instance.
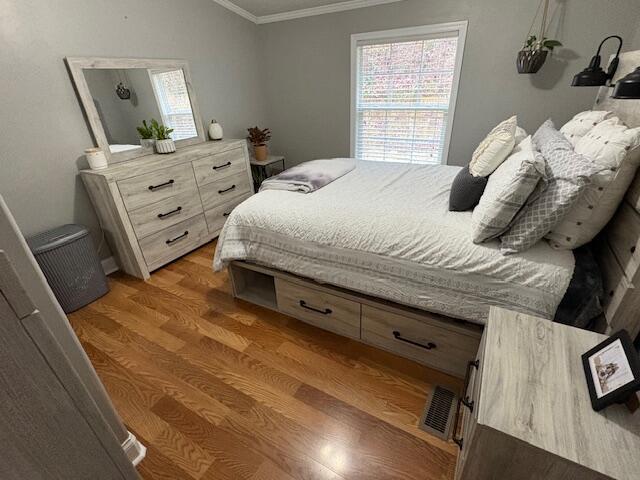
(71, 265)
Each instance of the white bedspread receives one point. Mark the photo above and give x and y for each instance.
(385, 230)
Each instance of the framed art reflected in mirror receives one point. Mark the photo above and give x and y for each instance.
(118, 94)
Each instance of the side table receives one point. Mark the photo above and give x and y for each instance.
(263, 170)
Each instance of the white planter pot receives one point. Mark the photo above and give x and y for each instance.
(165, 146)
(215, 131)
(96, 158)
(147, 143)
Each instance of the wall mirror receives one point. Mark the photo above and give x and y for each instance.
(117, 94)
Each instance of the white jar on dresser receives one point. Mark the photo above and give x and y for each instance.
(157, 208)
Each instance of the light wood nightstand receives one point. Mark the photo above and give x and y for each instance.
(528, 414)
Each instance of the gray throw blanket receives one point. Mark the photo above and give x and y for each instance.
(310, 176)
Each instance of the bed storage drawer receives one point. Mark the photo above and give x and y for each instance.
(165, 213)
(221, 191)
(173, 242)
(152, 187)
(218, 215)
(430, 342)
(319, 308)
(221, 165)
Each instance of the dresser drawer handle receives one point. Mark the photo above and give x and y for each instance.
(232, 187)
(226, 214)
(326, 311)
(465, 400)
(153, 188)
(228, 164)
(398, 336)
(168, 214)
(171, 241)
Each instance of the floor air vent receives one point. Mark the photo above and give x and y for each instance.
(439, 411)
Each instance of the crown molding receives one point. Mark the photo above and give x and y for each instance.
(236, 9)
(305, 12)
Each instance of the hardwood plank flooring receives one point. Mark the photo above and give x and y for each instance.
(218, 388)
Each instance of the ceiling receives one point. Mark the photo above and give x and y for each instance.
(266, 11)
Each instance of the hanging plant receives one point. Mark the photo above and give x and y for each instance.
(536, 48)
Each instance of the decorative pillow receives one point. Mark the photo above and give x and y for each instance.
(494, 149)
(582, 123)
(466, 191)
(507, 191)
(616, 149)
(567, 174)
(521, 134)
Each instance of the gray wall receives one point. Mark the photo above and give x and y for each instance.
(307, 64)
(43, 130)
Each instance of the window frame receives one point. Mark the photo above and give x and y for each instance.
(458, 29)
(151, 72)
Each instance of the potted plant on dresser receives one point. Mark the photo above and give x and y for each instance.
(259, 139)
(146, 135)
(164, 143)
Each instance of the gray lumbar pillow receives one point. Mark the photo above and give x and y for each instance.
(466, 191)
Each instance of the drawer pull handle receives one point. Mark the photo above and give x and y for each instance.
(171, 241)
(153, 188)
(232, 187)
(326, 311)
(464, 400)
(398, 336)
(226, 214)
(168, 214)
(228, 164)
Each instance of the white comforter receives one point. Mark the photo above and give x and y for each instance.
(385, 230)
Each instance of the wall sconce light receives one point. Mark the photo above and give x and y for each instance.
(628, 87)
(594, 75)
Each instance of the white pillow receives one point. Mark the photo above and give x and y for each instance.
(494, 149)
(616, 148)
(521, 134)
(506, 192)
(582, 123)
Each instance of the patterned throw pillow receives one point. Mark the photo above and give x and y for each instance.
(567, 173)
(494, 149)
(507, 191)
(582, 123)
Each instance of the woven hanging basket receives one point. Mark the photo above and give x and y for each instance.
(530, 61)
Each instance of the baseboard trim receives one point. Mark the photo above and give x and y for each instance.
(134, 450)
(109, 265)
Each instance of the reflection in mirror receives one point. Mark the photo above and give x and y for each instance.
(125, 97)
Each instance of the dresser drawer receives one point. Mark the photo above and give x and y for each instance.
(221, 165)
(221, 191)
(425, 341)
(217, 216)
(152, 187)
(165, 213)
(173, 242)
(318, 308)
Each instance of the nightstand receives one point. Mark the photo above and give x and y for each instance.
(263, 170)
(527, 413)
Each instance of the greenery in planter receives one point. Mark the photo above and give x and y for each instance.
(259, 137)
(532, 44)
(145, 131)
(160, 131)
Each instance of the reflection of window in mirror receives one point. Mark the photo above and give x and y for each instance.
(172, 96)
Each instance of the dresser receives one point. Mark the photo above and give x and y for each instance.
(157, 208)
(527, 414)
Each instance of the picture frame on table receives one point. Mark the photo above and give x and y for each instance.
(612, 370)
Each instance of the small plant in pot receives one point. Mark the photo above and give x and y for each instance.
(534, 53)
(259, 139)
(146, 135)
(164, 144)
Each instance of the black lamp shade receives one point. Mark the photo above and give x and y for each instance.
(628, 87)
(592, 76)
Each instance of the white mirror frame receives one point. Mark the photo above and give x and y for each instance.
(76, 67)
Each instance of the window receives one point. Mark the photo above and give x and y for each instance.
(171, 92)
(404, 85)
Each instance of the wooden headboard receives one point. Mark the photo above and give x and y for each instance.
(618, 246)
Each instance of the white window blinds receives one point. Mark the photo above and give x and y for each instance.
(173, 99)
(403, 96)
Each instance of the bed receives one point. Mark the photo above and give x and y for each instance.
(377, 256)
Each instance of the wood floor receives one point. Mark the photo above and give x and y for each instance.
(217, 388)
